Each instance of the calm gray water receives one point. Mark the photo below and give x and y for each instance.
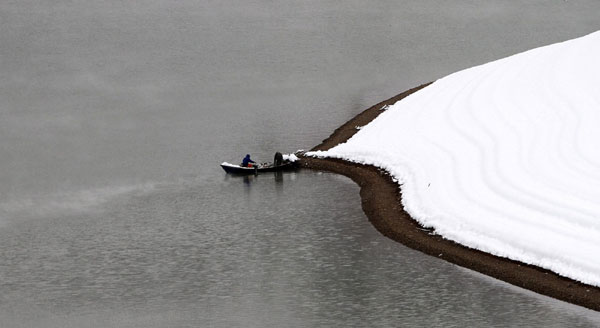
(114, 116)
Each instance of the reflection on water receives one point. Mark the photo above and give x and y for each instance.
(248, 179)
(278, 177)
(297, 252)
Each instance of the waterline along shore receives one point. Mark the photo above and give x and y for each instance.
(381, 202)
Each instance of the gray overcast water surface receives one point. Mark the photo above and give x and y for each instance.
(114, 116)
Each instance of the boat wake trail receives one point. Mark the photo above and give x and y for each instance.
(73, 202)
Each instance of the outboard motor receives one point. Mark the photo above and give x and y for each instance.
(278, 160)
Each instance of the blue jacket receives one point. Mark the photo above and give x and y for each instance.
(247, 160)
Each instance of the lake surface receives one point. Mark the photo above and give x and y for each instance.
(115, 115)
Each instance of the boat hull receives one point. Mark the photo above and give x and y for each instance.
(236, 169)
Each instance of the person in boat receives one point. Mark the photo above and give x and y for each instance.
(278, 160)
(247, 161)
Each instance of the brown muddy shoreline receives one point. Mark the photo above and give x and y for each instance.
(381, 202)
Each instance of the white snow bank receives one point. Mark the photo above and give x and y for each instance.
(290, 157)
(503, 157)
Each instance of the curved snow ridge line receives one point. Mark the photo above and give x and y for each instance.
(502, 157)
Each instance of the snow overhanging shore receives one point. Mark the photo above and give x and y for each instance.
(503, 157)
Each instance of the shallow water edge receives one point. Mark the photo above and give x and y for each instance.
(381, 202)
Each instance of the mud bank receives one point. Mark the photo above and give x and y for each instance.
(381, 202)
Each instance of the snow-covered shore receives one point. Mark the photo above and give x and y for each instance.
(503, 157)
